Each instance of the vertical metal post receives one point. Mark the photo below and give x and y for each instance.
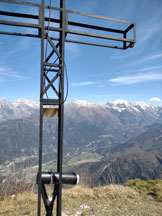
(41, 20)
(124, 43)
(61, 106)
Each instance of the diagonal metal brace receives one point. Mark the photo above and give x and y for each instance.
(53, 45)
(49, 203)
(52, 52)
(51, 82)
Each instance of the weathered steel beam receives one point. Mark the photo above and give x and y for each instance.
(19, 24)
(88, 34)
(21, 2)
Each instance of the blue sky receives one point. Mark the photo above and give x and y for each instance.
(95, 74)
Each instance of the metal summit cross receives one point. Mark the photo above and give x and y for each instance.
(55, 30)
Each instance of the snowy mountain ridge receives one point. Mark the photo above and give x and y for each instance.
(121, 105)
(18, 109)
(85, 103)
(20, 101)
(118, 105)
(24, 108)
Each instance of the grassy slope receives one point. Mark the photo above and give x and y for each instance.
(114, 200)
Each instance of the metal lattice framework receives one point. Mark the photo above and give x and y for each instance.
(55, 31)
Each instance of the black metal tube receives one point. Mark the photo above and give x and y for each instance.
(61, 106)
(49, 101)
(129, 28)
(93, 44)
(28, 16)
(82, 25)
(53, 177)
(41, 106)
(124, 43)
(19, 34)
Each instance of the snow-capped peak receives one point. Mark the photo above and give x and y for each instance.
(85, 103)
(18, 109)
(23, 101)
(144, 105)
(121, 105)
(119, 101)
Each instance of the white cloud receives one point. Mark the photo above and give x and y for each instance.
(141, 69)
(7, 73)
(144, 69)
(145, 59)
(155, 99)
(137, 78)
(151, 57)
(76, 84)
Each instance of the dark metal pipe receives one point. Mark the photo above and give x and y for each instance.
(49, 101)
(53, 177)
(19, 34)
(41, 107)
(61, 107)
(93, 44)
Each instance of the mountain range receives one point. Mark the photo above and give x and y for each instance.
(96, 137)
